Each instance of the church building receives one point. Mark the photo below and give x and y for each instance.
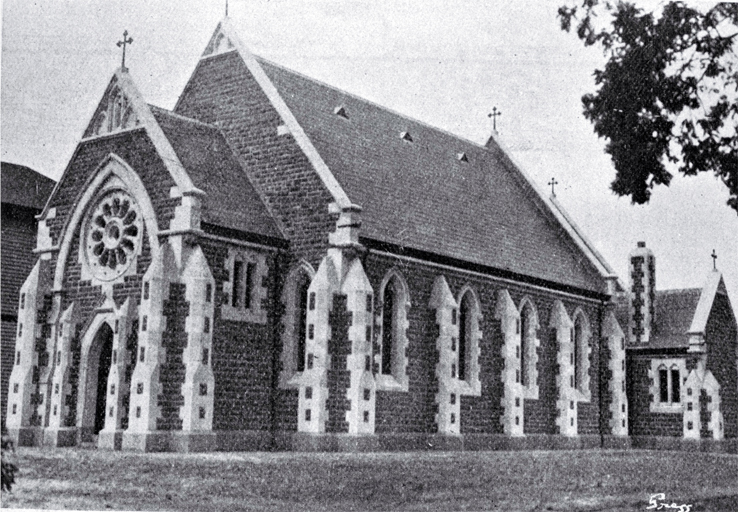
(277, 264)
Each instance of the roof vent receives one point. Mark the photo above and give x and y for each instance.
(461, 157)
(340, 111)
(406, 136)
(641, 244)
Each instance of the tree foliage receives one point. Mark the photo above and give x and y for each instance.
(667, 99)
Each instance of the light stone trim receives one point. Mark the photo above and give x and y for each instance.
(698, 380)
(113, 172)
(256, 312)
(513, 403)
(199, 324)
(716, 423)
(289, 377)
(161, 273)
(358, 292)
(122, 319)
(615, 339)
(303, 141)
(141, 110)
(447, 397)
(568, 396)
(398, 380)
(36, 285)
(530, 390)
(324, 285)
(643, 297)
(60, 362)
(653, 374)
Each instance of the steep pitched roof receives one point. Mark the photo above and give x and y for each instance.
(678, 313)
(22, 186)
(674, 313)
(416, 192)
(230, 199)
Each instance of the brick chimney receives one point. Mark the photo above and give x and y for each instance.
(641, 299)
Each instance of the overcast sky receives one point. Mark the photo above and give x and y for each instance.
(442, 62)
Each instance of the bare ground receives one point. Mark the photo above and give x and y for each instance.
(591, 480)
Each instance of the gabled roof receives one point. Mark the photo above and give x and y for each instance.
(415, 192)
(679, 313)
(230, 199)
(22, 186)
(674, 313)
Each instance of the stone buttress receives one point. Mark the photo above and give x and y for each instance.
(337, 388)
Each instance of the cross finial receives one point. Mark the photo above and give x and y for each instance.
(494, 115)
(714, 259)
(553, 184)
(226, 8)
(126, 41)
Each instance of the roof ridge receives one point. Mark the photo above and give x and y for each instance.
(183, 118)
(674, 291)
(374, 104)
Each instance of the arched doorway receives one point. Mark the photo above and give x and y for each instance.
(97, 369)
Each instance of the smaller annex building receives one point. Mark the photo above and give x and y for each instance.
(24, 194)
(682, 345)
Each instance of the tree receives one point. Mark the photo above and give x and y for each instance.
(667, 99)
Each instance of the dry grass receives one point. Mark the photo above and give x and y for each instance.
(507, 481)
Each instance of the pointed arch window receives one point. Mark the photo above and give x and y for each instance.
(389, 327)
(301, 319)
(528, 344)
(465, 333)
(580, 354)
(470, 336)
(392, 341)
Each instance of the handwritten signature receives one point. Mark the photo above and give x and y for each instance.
(658, 502)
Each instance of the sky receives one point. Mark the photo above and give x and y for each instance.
(444, 62)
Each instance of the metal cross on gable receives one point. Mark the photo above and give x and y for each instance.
(714, 259)
(126, 41)
(494, 114)
(553, 183)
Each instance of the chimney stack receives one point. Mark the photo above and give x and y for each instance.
(642, 296)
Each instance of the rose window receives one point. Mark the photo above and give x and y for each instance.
(113, 235)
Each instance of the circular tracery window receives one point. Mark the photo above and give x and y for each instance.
(113, 235)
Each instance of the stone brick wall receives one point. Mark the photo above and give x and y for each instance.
(413, 411)
(223, 91)
(721, 360)
(137, 150)
(244, 357)
(18, 241)
(641, 421)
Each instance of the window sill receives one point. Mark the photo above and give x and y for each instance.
(253, 315)
(470, 387)
(667, 408)
(389, 383)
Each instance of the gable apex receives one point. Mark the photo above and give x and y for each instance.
(226, 30)
(219, 43)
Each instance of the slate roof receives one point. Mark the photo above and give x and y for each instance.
(231, 200)
(22, 186)
(675, 310)
(419, 194)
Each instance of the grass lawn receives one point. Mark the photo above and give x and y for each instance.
(506, 481)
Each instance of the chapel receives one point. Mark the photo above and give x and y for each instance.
(278, 264)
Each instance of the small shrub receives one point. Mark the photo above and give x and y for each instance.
(8, 468)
